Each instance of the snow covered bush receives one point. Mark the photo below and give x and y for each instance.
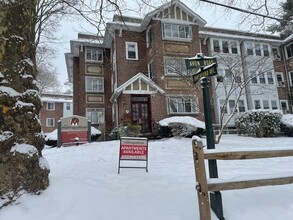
(181, 126)
(259, 123)
(287, 124)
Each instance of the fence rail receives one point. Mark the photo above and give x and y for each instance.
(204, 185)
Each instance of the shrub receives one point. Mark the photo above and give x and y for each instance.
(287, 125)
(179, 129)
(129, 131)
(259, 123)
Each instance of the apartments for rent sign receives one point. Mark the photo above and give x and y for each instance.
(133, 149)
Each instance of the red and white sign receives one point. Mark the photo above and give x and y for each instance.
(133, 149)
(74, 128)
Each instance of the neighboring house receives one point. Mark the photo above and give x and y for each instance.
(136, 73)
(54, 108)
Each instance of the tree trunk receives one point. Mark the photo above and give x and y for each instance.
(22, 167)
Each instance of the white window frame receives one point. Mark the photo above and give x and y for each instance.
(68, 106)
(151, 70)
(276, 55)
(48, 124)
(96, 55)
(287, 106)
(149, 36)
(180, 105)
(175, 33)
(53, 106)
(135, 50)
(91, 88)
(282, 82)
(231, 44)
(291, 49)
(228, 109)
(96, 119)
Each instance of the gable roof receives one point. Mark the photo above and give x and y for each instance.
(138, 84)
(177, 4)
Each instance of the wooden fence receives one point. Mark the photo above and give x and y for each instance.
(204, 185)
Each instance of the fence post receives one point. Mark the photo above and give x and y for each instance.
(201, 185)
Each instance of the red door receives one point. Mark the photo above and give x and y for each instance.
(140, 112)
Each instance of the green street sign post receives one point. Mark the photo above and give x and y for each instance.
(207, 67)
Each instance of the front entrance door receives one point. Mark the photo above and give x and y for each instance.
(140, 112)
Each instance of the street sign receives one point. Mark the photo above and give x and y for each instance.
(205, 72)
(199, 62)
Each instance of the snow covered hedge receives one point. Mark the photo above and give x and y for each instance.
(259, 123)
(287, 124)
(181, 126)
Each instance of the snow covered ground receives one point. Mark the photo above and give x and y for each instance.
(84, 184)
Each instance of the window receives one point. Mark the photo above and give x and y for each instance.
(176, 31)
(216, 46)
(276, 53)
(270, 78)
(232, 105)
(284, 106)
(291, 78)
(182, 105)
(50, 106)
(94, 84)
(241, 106)
(265, 50)
(257, 104)
(228, 75)
(225, 46)
(68, 106)
(95, 115)
(131, 51)
(280, 81)
(151, 70)
(257, 50)
(289, 50)
(94, 55)
(175, 65)
(50, 122)
(234, 49)
(266, 104)
(249, 48)
(274, 104)
(262, 79)
(149, 37)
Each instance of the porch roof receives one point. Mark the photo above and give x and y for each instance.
(138, 84)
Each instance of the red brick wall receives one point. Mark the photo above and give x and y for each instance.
(56, 114)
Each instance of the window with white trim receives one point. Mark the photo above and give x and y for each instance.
(270, 78)
(266, 104)
(280, 80)
(151, 70)
(276, 53)
(225, 46)
(180, 105)
(257, 104)
(176, 31)
(131, 50)
(95, 115)
(94, 55)
(257, 49)
(284, 106)
(289, 50)
(51, 106)
(149, 36)
(94, 84)
(68, 106)
(228, 105)
(274, 104)
(216, 45)
(50, 122)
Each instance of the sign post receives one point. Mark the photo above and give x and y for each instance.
(133, 149)
(208, 67)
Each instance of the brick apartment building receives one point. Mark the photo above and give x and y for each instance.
(136, 73)
(54, 107)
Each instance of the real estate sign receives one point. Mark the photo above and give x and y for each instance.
(73, 129)
(135, 149)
